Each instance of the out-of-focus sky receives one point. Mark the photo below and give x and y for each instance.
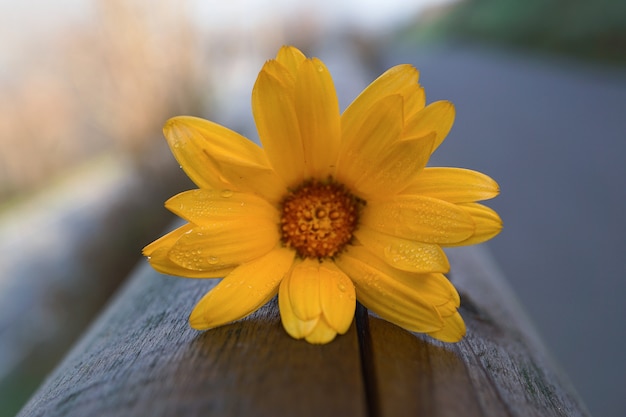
(370, 15)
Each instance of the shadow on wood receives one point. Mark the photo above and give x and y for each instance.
(141, 358)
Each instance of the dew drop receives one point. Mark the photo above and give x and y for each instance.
(212, 260)
(226, 193)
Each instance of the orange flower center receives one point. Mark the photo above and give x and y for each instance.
(318, 219)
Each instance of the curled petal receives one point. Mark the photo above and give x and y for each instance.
(419, 218)
(204, 206)
(455, 185)
(487, 221)
(437, 117)
(243, 291)
(404, 254)
(224, 244)
(398, 80)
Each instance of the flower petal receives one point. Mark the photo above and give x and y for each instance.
(224, 243)
(404, 254)
(337, 297)
(394, 167)
(414, 99)
(157, 253)
(453, 329)
(322, 333)
(296, 327)
(216, 157)
(381, 128)
(290, 58)
(243, 291)
(437, 117)
(379, 290)
(205, 206)
(303, 286)
(161, 262)
(166, 241)
(393, 82)
(317, 110)
(419, 218)
(455, 185)
(488, 224)
(277, 123)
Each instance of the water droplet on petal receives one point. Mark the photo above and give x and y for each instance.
(226, 193)
(212, 260)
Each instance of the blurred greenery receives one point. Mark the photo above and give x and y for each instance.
(577, 28)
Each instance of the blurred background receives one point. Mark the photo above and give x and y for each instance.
(85, 86)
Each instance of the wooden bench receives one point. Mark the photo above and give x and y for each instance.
(140, 358)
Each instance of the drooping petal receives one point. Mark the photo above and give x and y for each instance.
(394, 81)
(317, 300)
(290, 58)
(337, 297)
(322, 333)
(380, 291)
(296, 327)
(317, 110)
(419, 218)
(452, 331)
(455, 185)
(394, 167)
(277, 122)
(364, 146)
(488, 224)
(303, 287)
(205, 206)
(404, 254)
(437, 117)
(243, 291)
(216, 157)
(224, 243)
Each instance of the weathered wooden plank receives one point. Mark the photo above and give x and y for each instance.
(499, 369)
(141, 358)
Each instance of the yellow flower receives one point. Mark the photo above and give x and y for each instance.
(334, 207)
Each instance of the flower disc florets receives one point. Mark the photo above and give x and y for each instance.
(318, 219)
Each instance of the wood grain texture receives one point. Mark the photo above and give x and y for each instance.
(499, 369)
(141, 358)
